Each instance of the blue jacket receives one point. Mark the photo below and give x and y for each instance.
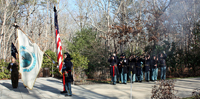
(112, 61)
(162, 61)
(138, 67)
(154, 62)
(68, 67)
(147, 64)
(132, 66)
(123, 66)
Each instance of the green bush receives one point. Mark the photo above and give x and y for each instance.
(86, 44)
(80, 64)
(48, 62)
(4, 73)
(79, 61)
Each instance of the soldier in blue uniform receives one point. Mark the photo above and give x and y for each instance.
(114, 55)
(142, 66)
(117, 76)
(119, 66)
(138, 65)
(67, 71)
(113, 68)
(147, 63)
(154, 65)
(132, 68)
(123, 62)
(163, 65)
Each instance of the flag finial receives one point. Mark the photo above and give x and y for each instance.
(15, 25)
(55, 9)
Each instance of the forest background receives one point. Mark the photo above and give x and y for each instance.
(91, 30)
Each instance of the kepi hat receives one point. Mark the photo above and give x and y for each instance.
(68, 56)
(122, 54)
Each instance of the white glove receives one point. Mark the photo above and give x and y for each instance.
(66, 74)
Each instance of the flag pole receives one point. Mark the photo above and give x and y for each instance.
(17, 27)
(59, 54)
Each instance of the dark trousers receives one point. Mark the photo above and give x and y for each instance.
(14, 79)
(138, 78)
(147, 75)
(118, 77)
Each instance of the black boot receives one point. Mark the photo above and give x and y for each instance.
(63, 92)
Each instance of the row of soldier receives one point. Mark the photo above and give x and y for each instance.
(134, 66)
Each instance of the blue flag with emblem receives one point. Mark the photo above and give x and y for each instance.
(30, 59)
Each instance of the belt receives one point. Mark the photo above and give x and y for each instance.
(68, 71)
(146, 65)
(132, 66)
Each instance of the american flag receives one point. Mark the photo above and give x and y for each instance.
(58, 42)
